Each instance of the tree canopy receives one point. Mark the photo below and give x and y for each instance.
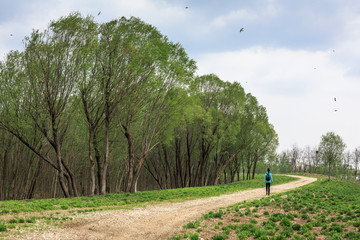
(117, 106)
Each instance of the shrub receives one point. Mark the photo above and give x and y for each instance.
(352, 235)
(259, 233)
(285, 222)
(5, 211)
(177, 237)
(336, 227)
(244, 235)
(192, 225)
(13, 220)
(253, 221)
(218, 237)
(296, 227)
(3, 227)
(266, 213)
(194, 236)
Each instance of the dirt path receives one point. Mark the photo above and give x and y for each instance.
(155, 221)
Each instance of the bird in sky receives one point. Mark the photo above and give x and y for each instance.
(11, 35)
(99, 13)
(335, 110)
(241, 29)
(335, 99)
(186, 7)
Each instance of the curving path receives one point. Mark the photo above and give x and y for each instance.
(155, 221)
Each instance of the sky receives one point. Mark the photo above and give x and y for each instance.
(295, 57)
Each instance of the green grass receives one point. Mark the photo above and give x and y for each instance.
(24, 214)
(323, 209)
(128, 199)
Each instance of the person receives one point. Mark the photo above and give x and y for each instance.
(268, 181)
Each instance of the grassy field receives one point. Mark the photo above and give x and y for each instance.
(321, 210)
(18, 215)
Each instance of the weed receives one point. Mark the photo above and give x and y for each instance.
(253, 221)
(3, 227)
(195, 224)
(194, 236)
(243, 234)
(13, 220)
(218, 237)
(296, 227)
(177, 237)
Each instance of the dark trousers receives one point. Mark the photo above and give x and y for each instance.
(267, 188)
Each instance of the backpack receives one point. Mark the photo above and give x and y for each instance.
(267, 177)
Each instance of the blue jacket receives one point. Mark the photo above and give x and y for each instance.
(271, 179)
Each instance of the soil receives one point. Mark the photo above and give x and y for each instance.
(159, 221)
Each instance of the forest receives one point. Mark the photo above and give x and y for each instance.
(91, 109)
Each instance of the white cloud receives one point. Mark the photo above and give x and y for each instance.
(299, 98)
(233, 16)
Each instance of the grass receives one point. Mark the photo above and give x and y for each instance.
(122, 199)
(15, 215)
(321, 210)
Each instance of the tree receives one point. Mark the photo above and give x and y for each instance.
(331, 150)
(356, 161)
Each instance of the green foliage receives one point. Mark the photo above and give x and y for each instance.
(194, 236)
(218, 237)
(3, 227)
(195, 224)
(212, 214)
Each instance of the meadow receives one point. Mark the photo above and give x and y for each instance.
(16, 216)
(321, 210)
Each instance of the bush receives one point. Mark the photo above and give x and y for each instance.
(194, 236)
(285, 222)
(336, 227)
(3, 227)
(352, 235)
(244, 235)
(192, 225)
(13, 220)
(218, 237)
(296, 227)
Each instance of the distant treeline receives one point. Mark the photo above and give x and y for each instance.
(89, 108)
(345, 164)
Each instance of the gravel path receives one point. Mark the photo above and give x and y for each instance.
(158, 221)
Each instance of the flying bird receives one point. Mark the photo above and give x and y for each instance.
(335, 110)
(186, 7)
(99, 13)
(335, 99)
(11, 35)
(241, 29)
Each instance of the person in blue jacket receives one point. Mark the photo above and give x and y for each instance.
(268, 180)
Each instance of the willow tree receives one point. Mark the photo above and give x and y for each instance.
(230, 105)
(49, 68)
(331, 150)
(150, 69)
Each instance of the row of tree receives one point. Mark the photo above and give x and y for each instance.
(97, 108)
(329, 158)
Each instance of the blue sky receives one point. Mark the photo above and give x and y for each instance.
(294, 56)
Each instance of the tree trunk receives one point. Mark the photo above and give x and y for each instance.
(218, 174)
(131, 158)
